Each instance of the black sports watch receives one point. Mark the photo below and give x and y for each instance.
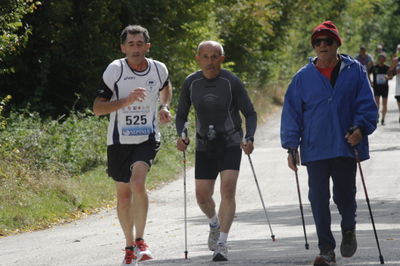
(164, 106)
(250, 139)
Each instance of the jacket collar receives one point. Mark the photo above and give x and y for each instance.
(346, 60)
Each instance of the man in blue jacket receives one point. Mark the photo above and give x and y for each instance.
(325, 99)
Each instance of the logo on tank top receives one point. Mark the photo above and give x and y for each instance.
(151, 84)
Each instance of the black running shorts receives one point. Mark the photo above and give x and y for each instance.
(121, 157)
(208, 167)
(381, 91)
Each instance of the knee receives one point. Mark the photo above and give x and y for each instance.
(138, 186)
(228, 193)
(124, 199)
(344, 201)
(202, 198)
(318, 200)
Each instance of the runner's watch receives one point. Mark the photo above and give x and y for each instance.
(164, 106)
(249, 139)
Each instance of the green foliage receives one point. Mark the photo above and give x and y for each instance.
(73, 41)
(371, 23)
(13, 32)
(46, 171)
(266, 41)
(3, 103)
(250, 35)
(33, 199)
(75, 144)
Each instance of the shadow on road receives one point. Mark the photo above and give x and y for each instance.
(291, 250)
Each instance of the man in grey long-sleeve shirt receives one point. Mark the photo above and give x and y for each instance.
(217, 96)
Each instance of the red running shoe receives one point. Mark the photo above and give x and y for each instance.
(130, 257)
(142, 251)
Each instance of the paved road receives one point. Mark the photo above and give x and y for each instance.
(97, 240)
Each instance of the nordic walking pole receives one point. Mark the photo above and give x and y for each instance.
(262, 201)
(350, 131)
(369, 206)
(184, 137)
(293, 154)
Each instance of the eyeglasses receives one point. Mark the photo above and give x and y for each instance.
(317, 42)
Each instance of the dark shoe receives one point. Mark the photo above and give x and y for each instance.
(383, 122)
(325, 258)
(220, 252)
(349, 243)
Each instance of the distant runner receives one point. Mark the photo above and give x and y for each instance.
(380, 76)
(364, 58)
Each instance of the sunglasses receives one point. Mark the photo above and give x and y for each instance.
(317, 42)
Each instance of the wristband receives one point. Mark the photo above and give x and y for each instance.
(354, 128)
(164, 106)
(249, 139)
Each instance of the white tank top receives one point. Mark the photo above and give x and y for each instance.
(134, 123)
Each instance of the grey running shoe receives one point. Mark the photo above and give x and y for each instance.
(325, 258)
(349, 243)
(213, 237)
(220, 252)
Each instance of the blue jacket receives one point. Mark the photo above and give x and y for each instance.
(317, 116)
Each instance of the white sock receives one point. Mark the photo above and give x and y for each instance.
(214, 222)
(223, 237)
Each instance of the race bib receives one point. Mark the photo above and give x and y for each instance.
(380, 79)
(136, 131)
(136, 121)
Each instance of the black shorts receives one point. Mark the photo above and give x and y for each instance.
(381, 91)
(397, 97)
(121, 157)
(208, 167)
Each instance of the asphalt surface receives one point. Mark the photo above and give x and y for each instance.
(98, 239)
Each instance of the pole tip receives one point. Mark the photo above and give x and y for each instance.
(273, 238)
(186, 255)
(307, 247)
(381, 259)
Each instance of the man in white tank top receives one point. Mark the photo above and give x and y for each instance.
(135, 91)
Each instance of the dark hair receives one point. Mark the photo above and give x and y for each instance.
(135, 29)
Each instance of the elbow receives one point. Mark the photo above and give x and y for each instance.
(96, 110)
(97, 113)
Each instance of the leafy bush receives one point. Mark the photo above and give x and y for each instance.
(74, 144)
(44, 177)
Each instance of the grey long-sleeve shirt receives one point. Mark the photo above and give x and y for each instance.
(217, 102)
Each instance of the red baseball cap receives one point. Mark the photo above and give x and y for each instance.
(326, 28)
